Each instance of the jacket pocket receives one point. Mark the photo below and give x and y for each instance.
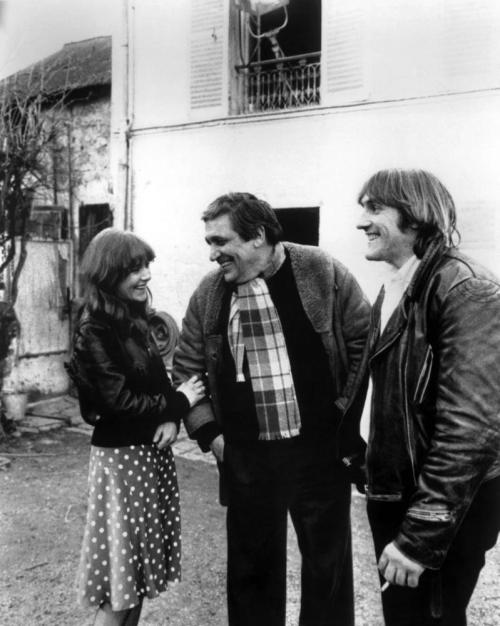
(424, 376)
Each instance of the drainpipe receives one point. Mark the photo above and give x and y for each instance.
(122, 113)
(130, 23)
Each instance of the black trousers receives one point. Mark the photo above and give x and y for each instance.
(266, 480)
(448, 590)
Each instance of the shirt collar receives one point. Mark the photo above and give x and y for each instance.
(402, 276)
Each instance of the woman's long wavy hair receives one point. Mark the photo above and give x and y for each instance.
(109, 258)
(423, 202)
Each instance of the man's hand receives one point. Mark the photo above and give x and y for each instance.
(165, 435)
(217, 447)
(397, 568)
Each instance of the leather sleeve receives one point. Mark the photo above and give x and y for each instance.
(354, 312)
(189, 360)
(99, 350)
(466, 439)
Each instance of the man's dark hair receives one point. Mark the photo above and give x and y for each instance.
(423, 202)
(248, 214)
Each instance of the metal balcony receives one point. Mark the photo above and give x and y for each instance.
(278, 84)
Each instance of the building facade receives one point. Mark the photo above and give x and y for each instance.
(72, 202)
(299, 104)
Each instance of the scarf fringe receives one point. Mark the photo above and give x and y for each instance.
(291, 434)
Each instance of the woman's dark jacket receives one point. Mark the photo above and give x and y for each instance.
(435, 425)
(120, 376)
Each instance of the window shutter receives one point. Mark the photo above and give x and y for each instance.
(343, 58)
(471, 45)
(208, 58)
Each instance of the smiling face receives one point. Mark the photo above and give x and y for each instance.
(134, 286)
(386, 241)
(240, 260)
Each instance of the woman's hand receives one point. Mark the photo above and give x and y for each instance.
(165, 435)
(193, 389)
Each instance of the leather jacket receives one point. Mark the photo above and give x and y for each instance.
(121, 377)
(435, 420)
(338, 310)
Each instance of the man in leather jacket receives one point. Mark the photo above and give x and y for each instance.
(279, 330)
(433, 456)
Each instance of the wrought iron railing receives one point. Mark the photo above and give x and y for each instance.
(277, 84)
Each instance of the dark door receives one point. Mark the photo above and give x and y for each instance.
(300, 225)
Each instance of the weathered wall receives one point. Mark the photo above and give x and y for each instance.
(430, 99)
(42, 310)
(82, 166)
(82, 157)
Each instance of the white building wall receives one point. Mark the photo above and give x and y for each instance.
(316, 157)
(159, 66)
(312, 160)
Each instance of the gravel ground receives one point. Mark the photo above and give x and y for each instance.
(42, 497)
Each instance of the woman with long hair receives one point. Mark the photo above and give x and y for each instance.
(131, 544)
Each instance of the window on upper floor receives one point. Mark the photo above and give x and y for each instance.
(244, 58)
(277, 54)
(337, 52)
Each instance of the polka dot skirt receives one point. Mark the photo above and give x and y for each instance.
(132, 541)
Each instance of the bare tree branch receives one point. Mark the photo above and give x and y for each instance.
(31, 124)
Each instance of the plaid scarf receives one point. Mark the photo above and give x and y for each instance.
(255, 327)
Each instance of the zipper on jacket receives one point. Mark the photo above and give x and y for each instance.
(387, 345)
(430, 515)
(407, 422)
(425, 374)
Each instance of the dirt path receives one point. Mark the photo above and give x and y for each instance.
(42, 504)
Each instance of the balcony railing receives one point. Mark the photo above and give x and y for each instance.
(277, 84)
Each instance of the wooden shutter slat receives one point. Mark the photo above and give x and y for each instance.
(343, 51)
(207, 56)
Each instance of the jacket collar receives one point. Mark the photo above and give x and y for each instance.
(215, 299)
(315, 286)
(315, 279)
(431, 258)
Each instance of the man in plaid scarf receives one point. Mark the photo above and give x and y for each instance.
(278, 330)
